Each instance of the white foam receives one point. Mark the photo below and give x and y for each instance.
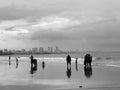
(46, 59)
(113, 65)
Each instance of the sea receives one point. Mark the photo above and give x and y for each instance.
(98, 58)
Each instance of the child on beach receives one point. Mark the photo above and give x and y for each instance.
(16, 60)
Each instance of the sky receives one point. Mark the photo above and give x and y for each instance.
(69, 24)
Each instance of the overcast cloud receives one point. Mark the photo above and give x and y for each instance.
(82, 24)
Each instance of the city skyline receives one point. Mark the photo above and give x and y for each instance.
(71, 24)
(37, 50)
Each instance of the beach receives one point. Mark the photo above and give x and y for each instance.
(56, 76)
(59, 44)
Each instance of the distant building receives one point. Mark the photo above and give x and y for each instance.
(57, 50)
(1, 51)
(30, 50)
(34, 50)
(23, 50)
(13, 51)
(50, 49)
(18, 51)
(41, 50)
(5, 50)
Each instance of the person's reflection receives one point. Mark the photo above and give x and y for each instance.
(17, 62)
(33, 69)
(88, 71)
(68, 72)
(16, 65)
(76, 65)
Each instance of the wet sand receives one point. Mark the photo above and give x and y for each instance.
(56, 76)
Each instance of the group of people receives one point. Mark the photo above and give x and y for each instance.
(87, 65)
(34, 64)
(87, 60)
(17, 62)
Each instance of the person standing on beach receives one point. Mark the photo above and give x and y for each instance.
(17, 62)
(76, 64)
(31, 58)
(43, 64)
(87, 60)
(76, 61)
(9, 60)
(68, 59)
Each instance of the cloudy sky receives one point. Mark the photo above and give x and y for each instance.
(71, 24)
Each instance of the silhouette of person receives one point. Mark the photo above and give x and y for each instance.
(68, 59)
(17, 62)
(31, 58)
(16, 65)
(33, 69)
(76, 61)
(68, 72)
(76, 64)
(33, 61)
(9, 60)
(88, 71)
(9, 57)
(87, 60)
(43, 64)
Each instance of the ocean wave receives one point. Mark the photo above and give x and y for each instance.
(96, 60)
(46, 59)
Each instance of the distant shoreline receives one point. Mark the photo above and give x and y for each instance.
(50, 53)
(5, 54)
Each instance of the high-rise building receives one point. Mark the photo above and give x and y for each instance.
(1, 51)
(57, 49)
(23, 50)
(34, 50)
(50, 49)
(5, 50)
(41, 50)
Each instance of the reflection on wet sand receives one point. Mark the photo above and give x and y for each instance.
(88, 71)
(16, 65)
(17, 62)
(68, 72)
(76, 65)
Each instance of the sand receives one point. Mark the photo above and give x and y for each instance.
(56, 76)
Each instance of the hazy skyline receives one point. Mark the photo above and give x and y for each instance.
(75, 24)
